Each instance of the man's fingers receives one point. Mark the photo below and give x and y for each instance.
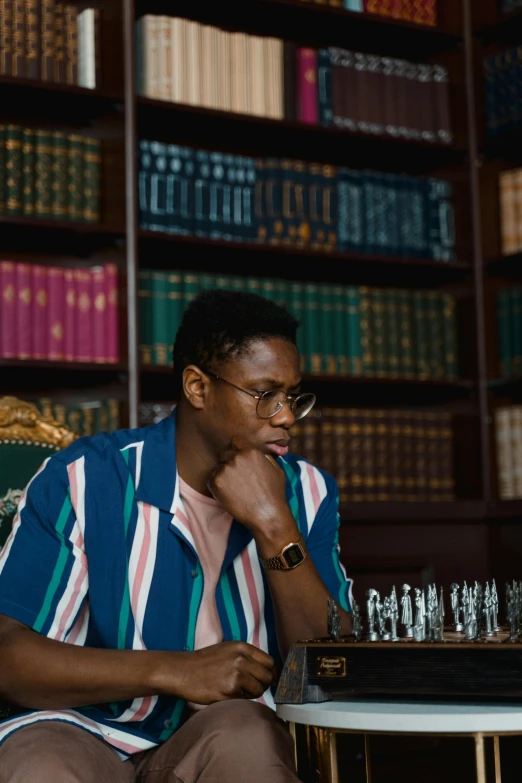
(261, 657)
(252, 688)
(261, 673)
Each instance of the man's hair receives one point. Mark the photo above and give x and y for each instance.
(219, 325)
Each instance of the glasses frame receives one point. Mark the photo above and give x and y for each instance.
(291, 399)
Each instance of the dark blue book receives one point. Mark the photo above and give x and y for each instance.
(324, 88)
(330, 206)
(176, 221)
(216, 195)
(239, 186)
(228, 196)
(302, 203)
(490, 96)
(412, 217)
(370, 186)
(158, 187)
(440, 220)
(188, 206)
(144, 175)
(315, 194)
(249, 194)
(274, 200)
(391, 198)
(289, 206)
(202, 193)
(351, 223)
(260, 203)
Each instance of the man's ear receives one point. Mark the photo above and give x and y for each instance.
(195, 386)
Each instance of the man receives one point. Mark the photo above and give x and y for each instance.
(156, 570)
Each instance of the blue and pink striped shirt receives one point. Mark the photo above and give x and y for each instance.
(101, 554)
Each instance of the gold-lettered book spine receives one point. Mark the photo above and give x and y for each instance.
(32, 39)
(6, 37)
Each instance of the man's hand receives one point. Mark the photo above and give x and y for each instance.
(230, 670)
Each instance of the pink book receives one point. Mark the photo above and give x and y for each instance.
(111, 298)
(40, 310)
(56, 313)
(84, 316)
(99, 325)
(69, 315)
(8, 310)
(307, 85)
(24, 302)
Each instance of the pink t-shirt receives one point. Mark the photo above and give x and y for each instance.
(210, 527)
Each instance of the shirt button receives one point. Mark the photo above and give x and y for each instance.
(168, 724)
(193, 574)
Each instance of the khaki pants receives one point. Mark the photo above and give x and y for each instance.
(229, 742)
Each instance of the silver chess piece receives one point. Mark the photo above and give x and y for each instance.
(379, 615)
(438, 625)
(394, 615)
(464, 601)
(455, 608)
(406, 614)
(419, 629)
(357, 628)
(386, 614)
(471, 627)
(494, 610)
(334, 620)
(372, 635)
(511, 614)
(487, 612)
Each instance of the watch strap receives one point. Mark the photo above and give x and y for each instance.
(277, 563)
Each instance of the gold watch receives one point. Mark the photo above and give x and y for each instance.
(291, 556)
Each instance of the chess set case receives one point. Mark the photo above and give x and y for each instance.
(454, 669)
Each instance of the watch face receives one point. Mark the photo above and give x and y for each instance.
(293, 556)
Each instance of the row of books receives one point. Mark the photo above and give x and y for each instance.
(509, 327)
(49, 174)
(510, 191)
(508, 437)
(345, 330)
(57, 313)
(48, 40)
(418, 11)
(85, 417)
(187, 62)
(503, 104)
(370, 94)
(289, 202)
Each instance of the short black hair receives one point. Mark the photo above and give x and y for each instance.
(218, 325)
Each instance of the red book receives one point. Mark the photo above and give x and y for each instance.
(40, 308)
(408, 10)
(111, 298)
(8, 310)
(307, 85)
(84, 313)
(69, 315)
(24, 301)
(56, 313)
(397, 9)
(425, 12)
(99, 322)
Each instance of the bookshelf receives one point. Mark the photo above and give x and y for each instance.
(115, 114)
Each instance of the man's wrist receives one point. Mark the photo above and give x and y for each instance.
(271, 540)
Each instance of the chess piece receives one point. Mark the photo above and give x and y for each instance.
(419, 629)
(511, 614)
(471, 628)
(455, 608)
(372, 635)
(494, 609)
(487, 612)
(464, 600)
(406, 614)
(357, 628)
(394, 615)
(386, 614)
(334, 620)
(379, 614)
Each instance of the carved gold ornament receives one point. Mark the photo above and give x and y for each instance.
(22, 422)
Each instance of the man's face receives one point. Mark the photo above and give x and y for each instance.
(266, 365)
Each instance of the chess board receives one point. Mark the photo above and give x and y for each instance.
(454, 669)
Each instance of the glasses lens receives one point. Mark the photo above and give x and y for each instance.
(303, 405)
(270, 403)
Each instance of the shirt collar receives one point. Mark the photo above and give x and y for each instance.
(158, 476)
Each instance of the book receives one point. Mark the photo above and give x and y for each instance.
(71, 44)
(69, 315)
(23, 306)
(100, 315)
(32, 39)
(6, 37)
(87, 49)
(13, 165)
(505, 466)
(18, 42)
(56, 314)
(59, 176)
(40, 313)
(60, 70)
(28, 162)
(307, 85)
(47, 28)
(84, 349)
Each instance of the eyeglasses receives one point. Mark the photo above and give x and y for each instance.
(271, 402)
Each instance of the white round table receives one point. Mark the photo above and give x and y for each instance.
(325, 720)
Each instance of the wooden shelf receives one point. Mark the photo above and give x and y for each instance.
(18, 232)
(507, 29)
(49, 102)
(505, 509)
(445, 512)
(316, 25)
(285, 261)
(504, 265)
(506, 146)
(42, 378)
(250, 135)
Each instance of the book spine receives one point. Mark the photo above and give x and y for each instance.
(408, 455)
(99, 313)
(354, 325)
(256, 84)
(330, 207)
(350, 211)
(441, 102)
(112, 337)
(368, 457)
(91, 179)
(32, 39)
(450, 337)
(290, 81)
(28, 171)
(69, 315)
(324, 88)
(327, 444)
(86, 24)
(13, 164)
(407, 361)
(395, 456)
(274, 200)
(515, 312)
(174, 291)
(160, 335)
(59, 173)
(18, 61)
(84, 316)
(382, 461)
(59, 44)
(328, 349)
(3, 169)
(193, 70)
(47, 40)
(377, 317)
(8, 310)
(505, 338)
(145, 312)
(508, 213)
(289, 236)
(23, 305)
(433, 475)
(435, 335)
(313, 360)
(179, 80)
(6, 37)
(165, 59)
(366, 331)
(42, 177)
(40, 318)
(56, 312)
(339, 331)
(392, 332)
(353, 478)
(71, 44)
(307, 85)
(74, 177)
(505, 466)
(516, 447)
(422, 362)
(518, 206)
(445, 442)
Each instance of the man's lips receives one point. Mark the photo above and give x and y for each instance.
(278, 447)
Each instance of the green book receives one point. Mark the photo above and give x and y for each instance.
(87, 417)
(406, 342)
(281, 293)
(160, 333)
(13, 164)
(207, 282)
(326, 330)
(297, 307)
(74, 419)
(224, 282)
(103, 416)
(434, 334)
(59, 166)
(268, 288)
(254, 285)
(380, 368)
(392, 332)
(145, 312)
(91, 179)
(28, 171)
(515, 316)
(505, 338)
(114, 415)
(75, 177)
(353, 330)
(174, 308)
(450, 335)
(313, 362)
(420, 340)
(42, 173)
(339, 331)
(191, 288)
(367, 342)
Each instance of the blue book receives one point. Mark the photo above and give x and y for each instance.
(354, 5)
(144, 175)
(249, 193)
(371, 198)
(260, 203)
(440, 219)
(176, 222)
(202, 194)
(228, 196)
(158, 187)
(324, 87)
(412, 217)
(350, 211)
(216, 195)
(237, 213)
(391, 197)
(187, 189)
(490, 96)
(274, 200)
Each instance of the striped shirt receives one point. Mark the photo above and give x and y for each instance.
(101, 554)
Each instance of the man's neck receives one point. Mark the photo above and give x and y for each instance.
(194, 460)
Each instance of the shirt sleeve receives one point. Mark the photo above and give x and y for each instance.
(323, 546)
(43, 566)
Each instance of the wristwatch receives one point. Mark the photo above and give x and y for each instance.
(290, 557)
